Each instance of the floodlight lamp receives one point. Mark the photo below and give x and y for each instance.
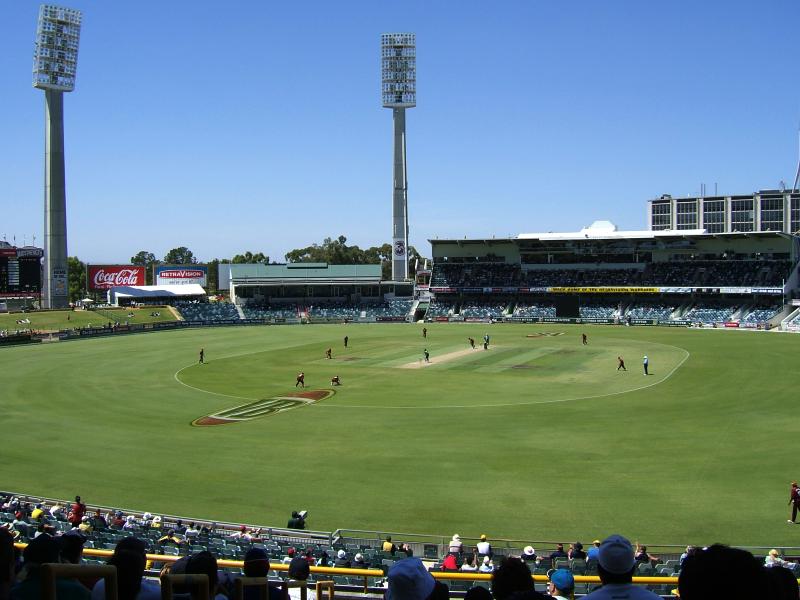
(399, 70)
(55, 56)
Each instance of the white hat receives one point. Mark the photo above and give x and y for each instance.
(529, 551)
(341, 554)
(156, 519)
(456, 537)
(486, 560)
(147, 515)
(130, 518)
(359, 557)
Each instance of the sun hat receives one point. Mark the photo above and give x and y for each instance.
(529, 551)
(562, 579)
(409, 580)
(596, 542)
(486, 560)
(359, 557)
(483, 537)
(341, 554)
(773, 552)
(456, 537)
(616, 555)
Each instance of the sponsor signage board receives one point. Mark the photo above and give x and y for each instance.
(604, 290)
(105, 277)
(180, 274)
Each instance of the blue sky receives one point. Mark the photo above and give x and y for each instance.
(232, 126)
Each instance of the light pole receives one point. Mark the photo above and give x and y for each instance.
(55, 61)
(399, 91)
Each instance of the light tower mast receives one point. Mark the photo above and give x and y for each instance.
(55, 61)
(399, 91)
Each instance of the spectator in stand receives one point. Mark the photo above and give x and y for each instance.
(341, 562)
(129, 559)
(561, 584)
(576, 551)
(299, 568)
(76, 512)
(642, 556)
(37, 513)
(486, 565)
(470, 563)
(512, 578)
(455, 544)
(721, 572)
(8, 563)
(450, 563)
(86, 525)
(309, 556)
(256, 564)
(71, 546)
(359, 562)
(41, 550)
(409, 580)
(130, 524)
(57, 511)
(191, 532)
(170, 538)
(616, 566)
(388, 546)
(557, 554)
(690, 550)
(180, 528)
(201, 563)
(773, 559)
(407, 549)
(290, 553)
(529, 555)
(484, 547)
(593, 551)
(118, 521)
(781, 585)
(156, 522)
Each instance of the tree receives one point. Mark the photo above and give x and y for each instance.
(180, 256)
(250, 258)
(77, 278)
(147, 260)
(337, 252)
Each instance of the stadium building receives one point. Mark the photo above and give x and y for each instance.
(603, 275)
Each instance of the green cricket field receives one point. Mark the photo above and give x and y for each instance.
(538, 437)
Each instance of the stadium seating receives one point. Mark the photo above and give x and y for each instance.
(204, 311)
(440, 308)
(483, 310)
(534, 311)
(759, 315)
(703, 313)
(598, 311)
(269, 311)
(655, 312)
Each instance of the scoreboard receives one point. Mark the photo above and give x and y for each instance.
(20, 271)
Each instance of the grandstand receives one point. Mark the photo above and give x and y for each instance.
(633, 277)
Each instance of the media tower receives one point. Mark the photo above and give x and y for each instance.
(55, 62)
(399, 92)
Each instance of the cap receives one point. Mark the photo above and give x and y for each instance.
(562, 579)
(596, 542)
(616, 555)
(483, 537)
(359, 557)
(773, 552)
(341, 554)
(409, 580)
(456, 537)
(529, 551)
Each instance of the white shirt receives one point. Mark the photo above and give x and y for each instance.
(484, 548)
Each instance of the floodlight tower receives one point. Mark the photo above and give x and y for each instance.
(55, 61)
(399, 78)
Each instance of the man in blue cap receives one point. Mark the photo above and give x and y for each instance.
(616, 566)
(409, 580)
(561, 584)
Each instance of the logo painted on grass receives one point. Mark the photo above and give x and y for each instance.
(263, 408)
(545, 334)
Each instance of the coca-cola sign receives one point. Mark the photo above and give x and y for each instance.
(104, 277)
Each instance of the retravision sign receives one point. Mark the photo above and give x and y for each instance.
(180, 274)
(263, 408)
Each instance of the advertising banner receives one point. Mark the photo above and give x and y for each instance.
(604, 290)
(180, 274)
(104, 277)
